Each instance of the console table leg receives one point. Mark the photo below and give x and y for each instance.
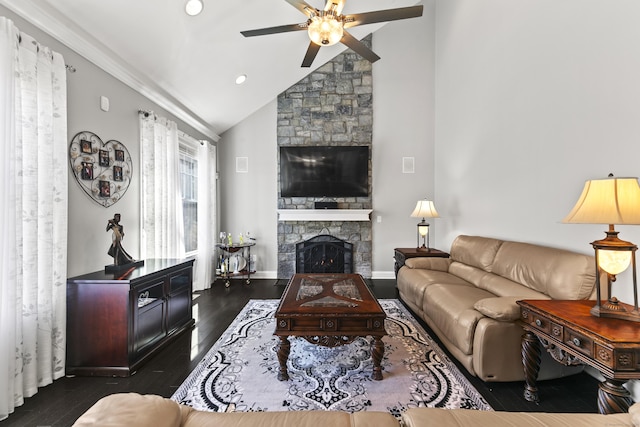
(531, 356)
(377, 351)
(284, 347)
(613, 397)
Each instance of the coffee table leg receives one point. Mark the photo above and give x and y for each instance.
(377, 351)
(283, 354)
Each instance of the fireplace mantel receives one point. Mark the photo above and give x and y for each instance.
(324, 214)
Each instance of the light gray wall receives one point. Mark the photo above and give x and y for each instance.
(88, 241)
(403, 126)
(533, 98)
(248, 201)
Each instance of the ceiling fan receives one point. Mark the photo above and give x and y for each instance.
(327, 27)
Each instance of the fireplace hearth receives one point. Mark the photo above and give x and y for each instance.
(324, 254)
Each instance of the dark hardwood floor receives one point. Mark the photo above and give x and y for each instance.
(62, 402)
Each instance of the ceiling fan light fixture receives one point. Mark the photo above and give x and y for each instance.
(193, 7)
(325, 29)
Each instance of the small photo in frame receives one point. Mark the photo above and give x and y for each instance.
(103, 159)
(105, 188)
(119, 156)
(117, 173)
(85, 146)
(87, 171)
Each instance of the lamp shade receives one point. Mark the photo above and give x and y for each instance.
(425, 209)
(607, 201)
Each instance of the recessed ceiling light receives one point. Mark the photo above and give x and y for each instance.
(241, 79)
(193, 7)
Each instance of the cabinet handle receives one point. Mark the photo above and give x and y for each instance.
(576, 342)
(539, 323)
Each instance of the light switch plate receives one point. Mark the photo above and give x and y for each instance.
(104, 103)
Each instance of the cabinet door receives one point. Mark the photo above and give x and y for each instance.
(179, 299)
(149, 307)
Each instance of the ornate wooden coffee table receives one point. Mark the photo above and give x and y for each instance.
(329, 310)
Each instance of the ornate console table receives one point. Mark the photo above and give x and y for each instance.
(572, 336)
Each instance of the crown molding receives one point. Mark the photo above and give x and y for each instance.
(53, 23)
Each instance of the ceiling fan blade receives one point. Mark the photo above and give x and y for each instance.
(338, 4)
(312, 51)
(302, 6)
(358, 47)
(382, 16)
(274, 30)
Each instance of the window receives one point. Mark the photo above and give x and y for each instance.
(189, 187)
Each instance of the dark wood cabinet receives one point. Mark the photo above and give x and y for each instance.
(117, 321)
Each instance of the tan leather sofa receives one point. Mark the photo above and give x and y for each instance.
(469, 299)
(130, 409)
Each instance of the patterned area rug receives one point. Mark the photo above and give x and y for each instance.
(239, 373)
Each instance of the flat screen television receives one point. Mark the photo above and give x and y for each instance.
(324, 171)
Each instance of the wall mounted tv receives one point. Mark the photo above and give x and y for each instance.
(324, 171)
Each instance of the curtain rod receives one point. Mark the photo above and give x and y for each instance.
(147, 113)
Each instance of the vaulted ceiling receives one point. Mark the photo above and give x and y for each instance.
(188, 65)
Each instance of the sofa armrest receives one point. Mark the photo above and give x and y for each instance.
(504, 309)
(428, 263)
(132, 409)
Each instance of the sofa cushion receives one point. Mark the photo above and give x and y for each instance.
(450, 307)
(413, 282)
(555, 272)
(418, 417)
(475, 251)
(132, 409)
(502, 287)
(503, 309)
(469, 273)
(288, 418)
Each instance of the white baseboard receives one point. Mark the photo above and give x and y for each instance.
(383, 275)
(265, 275)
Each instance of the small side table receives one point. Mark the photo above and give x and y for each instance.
(571, 335)
(402, 254)
(245, 252)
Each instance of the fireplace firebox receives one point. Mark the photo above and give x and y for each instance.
(324, 254)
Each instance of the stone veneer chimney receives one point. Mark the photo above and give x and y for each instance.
(331, 106)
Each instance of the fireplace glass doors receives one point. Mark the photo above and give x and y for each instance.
(324, 254)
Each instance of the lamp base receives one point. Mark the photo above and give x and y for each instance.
(616, 310)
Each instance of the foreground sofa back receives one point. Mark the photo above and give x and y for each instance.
(135, 410)
(131, 409)
(469, 299)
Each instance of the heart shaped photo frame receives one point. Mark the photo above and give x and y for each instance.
(102, 169)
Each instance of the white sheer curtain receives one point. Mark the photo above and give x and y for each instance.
(33, 216)
(162, 226)
(204, 265)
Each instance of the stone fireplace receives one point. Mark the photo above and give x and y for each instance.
(331, 106)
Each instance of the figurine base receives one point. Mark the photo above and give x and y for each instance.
(112, 268)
